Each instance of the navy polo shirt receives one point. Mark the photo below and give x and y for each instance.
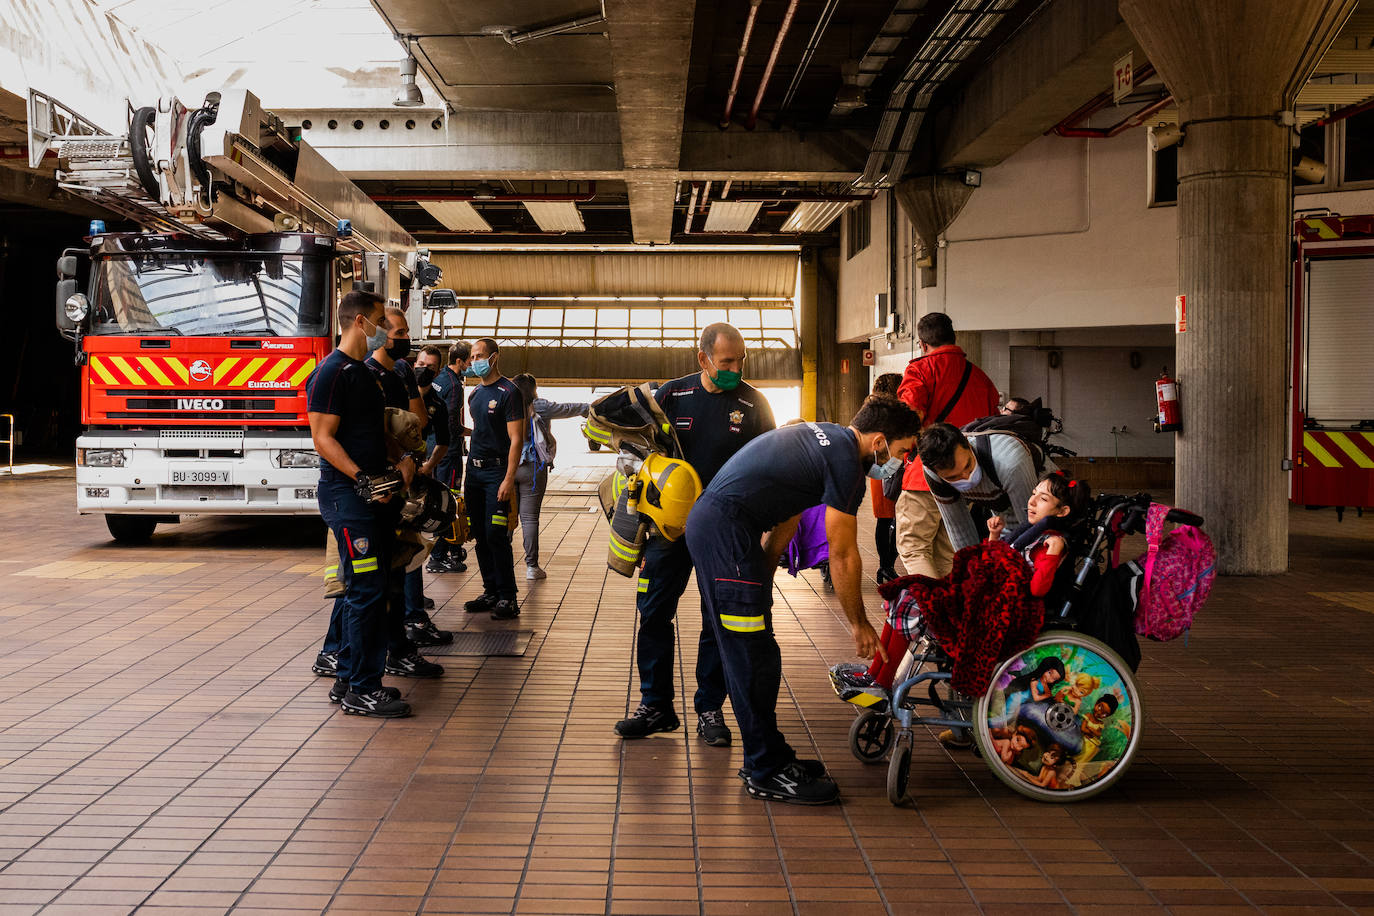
(492, 407)
(785, 472)
(398, 382)
(346, 388)
(712, 426)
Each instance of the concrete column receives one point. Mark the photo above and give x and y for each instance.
(808, 309)
(1232, 67)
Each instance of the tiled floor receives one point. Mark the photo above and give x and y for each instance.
(164, 745)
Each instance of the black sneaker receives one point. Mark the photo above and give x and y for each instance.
(445, 565)
(379, 704)
(326, 664)
(481, 604)
(412, 665)
(712, 728)
(794, 786)
(340, 690)
(646, 720)
(429, 604)
(813, 768)
(425, 633)
(505, 609)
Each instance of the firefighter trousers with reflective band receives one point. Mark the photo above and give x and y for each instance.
(661, 582)
(364, 532)
(491, 528)
(450, 474)
(736, 586)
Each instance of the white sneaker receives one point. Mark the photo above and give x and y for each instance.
(534, 572)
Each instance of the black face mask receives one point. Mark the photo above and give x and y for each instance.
(398, 349)
(424, 376)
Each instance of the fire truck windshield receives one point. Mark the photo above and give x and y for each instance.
(211, 295)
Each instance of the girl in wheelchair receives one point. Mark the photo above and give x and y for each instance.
(1056, 504)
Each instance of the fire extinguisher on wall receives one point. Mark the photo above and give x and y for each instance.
(1170, 417)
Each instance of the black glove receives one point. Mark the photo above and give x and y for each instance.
(374, 489)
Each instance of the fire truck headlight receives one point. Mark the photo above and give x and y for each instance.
(295, 458)
(101, 457)
(77, 307)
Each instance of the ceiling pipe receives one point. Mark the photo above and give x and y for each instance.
(772, 61)
(804, 198)
(471, 196)
(1065, 129)
(822, 23)
(691, 208)
(1103, 100)
(518, 37)
(1347, 112)
(739, 62)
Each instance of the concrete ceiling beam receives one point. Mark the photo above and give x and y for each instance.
(651, 49)
(1058, 61)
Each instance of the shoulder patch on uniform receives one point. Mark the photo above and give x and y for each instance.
(361, 544)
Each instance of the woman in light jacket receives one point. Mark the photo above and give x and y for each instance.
(532, 476)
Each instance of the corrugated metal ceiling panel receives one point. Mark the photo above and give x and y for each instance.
(458, 215)
(753, 274)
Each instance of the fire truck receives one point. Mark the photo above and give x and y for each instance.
(1332, 432)
(195, 335)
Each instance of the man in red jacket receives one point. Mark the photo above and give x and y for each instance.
(942, 386)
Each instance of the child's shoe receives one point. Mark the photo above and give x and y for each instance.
(853, 684)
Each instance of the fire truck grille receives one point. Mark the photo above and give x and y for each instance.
(163, 404)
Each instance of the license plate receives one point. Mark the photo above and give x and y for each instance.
(200, 475)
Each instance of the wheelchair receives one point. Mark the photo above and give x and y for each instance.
(1062, 719)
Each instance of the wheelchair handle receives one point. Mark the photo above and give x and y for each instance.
(1184, 517)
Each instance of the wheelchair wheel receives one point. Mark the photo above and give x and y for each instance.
(899, 773)
(1062, 719)
(870, 736)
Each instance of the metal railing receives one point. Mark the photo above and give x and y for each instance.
(9, 441)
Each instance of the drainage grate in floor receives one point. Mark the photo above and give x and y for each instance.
(484, 642)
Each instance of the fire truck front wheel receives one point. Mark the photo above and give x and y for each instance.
(131, 529)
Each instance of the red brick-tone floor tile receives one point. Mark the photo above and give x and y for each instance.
(174, 753)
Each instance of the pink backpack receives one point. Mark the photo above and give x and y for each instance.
(1179, 570)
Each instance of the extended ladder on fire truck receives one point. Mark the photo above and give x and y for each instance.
(225, 169)
(202, 329)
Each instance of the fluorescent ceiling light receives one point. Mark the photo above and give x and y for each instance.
(731, 215)
(814, 215)
(556, 215)
(458, 215)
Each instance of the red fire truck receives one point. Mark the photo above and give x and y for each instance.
(1332, 433)
(196, 335)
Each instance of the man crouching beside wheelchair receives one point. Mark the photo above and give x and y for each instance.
(1013, 570)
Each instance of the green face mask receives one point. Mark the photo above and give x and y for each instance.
(726, 380)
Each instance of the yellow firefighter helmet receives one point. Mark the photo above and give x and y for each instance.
(670, 487)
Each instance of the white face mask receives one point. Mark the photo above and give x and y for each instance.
(972, 481)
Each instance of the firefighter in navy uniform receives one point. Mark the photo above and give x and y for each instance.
(448, 384)
(715, 414)
(737, 530)
(401, 391)
(347, 412)
(498, 436)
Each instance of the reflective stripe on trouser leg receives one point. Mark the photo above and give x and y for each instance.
(494, 555)
(732, 575)
(661, 583)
